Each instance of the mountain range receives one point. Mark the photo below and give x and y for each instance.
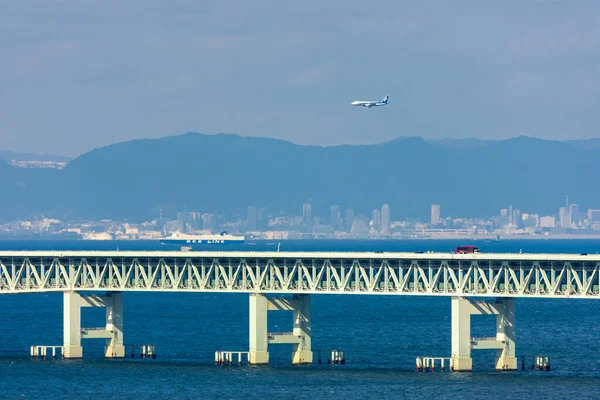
(226, 173)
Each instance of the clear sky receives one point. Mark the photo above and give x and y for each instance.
(78, 74)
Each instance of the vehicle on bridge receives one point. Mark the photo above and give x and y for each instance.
(467, 249)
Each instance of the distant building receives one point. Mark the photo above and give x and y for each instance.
(530, 220)
(196, 220)
(172, 226)
(251, 219)
(575, 214)
(435, 214)
(504, 212)
(500, 222)
(307, 214)
(376, 219)
(335, 218)
(385, 219)
(209, 222)
(594, 216)
(517, 219)
(160, 222)
(594, 219)
(262, 219)
(359, 228)
(547, 222)
(349, 218)
(564, 217)
(185, 220)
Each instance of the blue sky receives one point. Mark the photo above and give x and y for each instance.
(79, 74)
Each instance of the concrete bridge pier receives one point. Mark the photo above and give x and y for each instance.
(259, 354)
(114, 324)
(72, 325)
(506, 359)
(300, 337)
(302, 329)
(503, 342)
(112, 331)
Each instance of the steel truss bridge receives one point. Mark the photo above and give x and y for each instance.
(426, 274)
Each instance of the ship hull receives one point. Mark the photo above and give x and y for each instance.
(189, 242)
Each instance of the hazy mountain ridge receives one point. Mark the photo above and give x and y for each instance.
(224, 173)
(589, 144)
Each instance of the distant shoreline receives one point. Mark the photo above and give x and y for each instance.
(511, 237)
(486, 238)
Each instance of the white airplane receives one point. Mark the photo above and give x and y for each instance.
(371, 103)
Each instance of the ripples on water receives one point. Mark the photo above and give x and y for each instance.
(381, 336)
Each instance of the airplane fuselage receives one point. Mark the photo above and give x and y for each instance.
(371, 103)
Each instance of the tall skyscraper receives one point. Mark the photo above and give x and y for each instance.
(575, 214)
(376, 219)
(335, 218)
(307, 214)
(564, 218)
(517, 219)
(262, 218)
(435, 214)
(385, 219)
(251, 219)
(349, 218)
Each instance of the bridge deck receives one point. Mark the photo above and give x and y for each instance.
(308, 255)
(391, 273)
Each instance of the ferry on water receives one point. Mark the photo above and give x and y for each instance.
(183, 239)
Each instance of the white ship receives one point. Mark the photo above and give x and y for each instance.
(184, 239)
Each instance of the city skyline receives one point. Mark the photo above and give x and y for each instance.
(257, 222)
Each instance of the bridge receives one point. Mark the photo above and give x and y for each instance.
(478, 284)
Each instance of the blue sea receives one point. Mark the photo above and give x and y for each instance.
(380, 335)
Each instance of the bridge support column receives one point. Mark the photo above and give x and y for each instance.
(505, 332)
(302, 329)
(461, 335)
(258, 329)
(72, 325)
(114, 324)
(503, 343)
(112, 331)
(299, 337)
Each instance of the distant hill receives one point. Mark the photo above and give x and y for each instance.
(585, 144)
(26, 190)
(11, 155)
(461, 143)
(224, 173)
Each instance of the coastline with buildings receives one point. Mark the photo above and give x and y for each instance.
(256, 223)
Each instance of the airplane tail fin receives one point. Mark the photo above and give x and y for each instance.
(385, 99)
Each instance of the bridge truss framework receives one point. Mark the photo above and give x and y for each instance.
(493, 275)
